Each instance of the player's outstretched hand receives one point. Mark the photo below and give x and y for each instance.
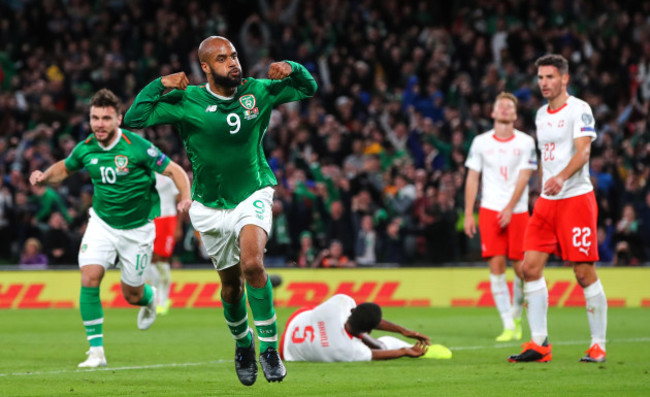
(36, 178)
(176, 80)
(416, 335)
(184, 205)
(417, 350)
(279, 70)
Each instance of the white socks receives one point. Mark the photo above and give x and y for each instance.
(596, 312)
(517, 297)
(501, 296)
(536, 294)
(164, 282)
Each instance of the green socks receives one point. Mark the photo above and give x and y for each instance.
(92, 315)
(237, 320)
(261, 302)
(147, 296)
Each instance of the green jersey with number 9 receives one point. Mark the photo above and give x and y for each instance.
(222, 136)
(125, 186)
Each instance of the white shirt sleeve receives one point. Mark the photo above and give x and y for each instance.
(529, 159)
(584, 124)
(474, 158)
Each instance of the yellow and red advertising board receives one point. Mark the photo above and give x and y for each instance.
(428, 287)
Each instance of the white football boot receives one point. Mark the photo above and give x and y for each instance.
(147, 314)
(95, 358)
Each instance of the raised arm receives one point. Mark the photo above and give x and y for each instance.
(56, 173)
(295, 82)
(151, 107)
(182, 182)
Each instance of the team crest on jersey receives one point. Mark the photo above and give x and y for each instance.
(248, 101)
(121, 162)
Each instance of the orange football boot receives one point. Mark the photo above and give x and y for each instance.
(533, 352)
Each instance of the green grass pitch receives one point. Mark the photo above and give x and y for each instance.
(190, 353)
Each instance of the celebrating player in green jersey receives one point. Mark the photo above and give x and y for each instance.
(222, 125)
(121, 166)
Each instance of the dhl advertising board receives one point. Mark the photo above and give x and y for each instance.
(435, 287)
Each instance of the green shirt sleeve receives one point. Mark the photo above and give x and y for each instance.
(73, 161)
(298, 85)
(150, 107)
(151, 157)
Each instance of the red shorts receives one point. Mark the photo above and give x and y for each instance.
(164, 243)
(565, 227)
(502, 241)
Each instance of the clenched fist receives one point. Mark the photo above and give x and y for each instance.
(176, 80)
(279, 70)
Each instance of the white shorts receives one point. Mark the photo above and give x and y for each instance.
(220, 228)
(102, 244)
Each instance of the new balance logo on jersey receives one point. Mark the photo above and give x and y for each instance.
(584, 250)
(93, 161)
(211, 108)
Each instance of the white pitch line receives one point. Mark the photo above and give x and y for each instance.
(498, 346)
(68, 371)
(567, 342)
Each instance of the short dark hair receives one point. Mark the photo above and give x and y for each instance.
(105, 98)
(365, 318)
(556, 60)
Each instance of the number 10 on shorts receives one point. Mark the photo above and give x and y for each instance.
(141, 262)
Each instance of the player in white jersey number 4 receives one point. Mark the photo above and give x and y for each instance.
(505, 159)
(564, 219)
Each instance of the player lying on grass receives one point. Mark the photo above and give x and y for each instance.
(339, 330)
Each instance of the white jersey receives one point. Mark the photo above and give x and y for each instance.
(167, 191)
(319, 335)
(499, 162)
(556, 130)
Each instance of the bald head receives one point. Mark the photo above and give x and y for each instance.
(210, 45)
(220, 63)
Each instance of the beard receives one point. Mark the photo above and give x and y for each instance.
(225, 81)
(109, 137)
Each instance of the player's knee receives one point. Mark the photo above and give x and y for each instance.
(585, 275)
(232, 292)
(530, 271)
(253, 271)
(133, 297)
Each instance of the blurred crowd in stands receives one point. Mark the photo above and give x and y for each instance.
(371, 169)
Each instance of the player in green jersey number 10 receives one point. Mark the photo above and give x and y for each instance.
(222, 124)
(121, 165)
